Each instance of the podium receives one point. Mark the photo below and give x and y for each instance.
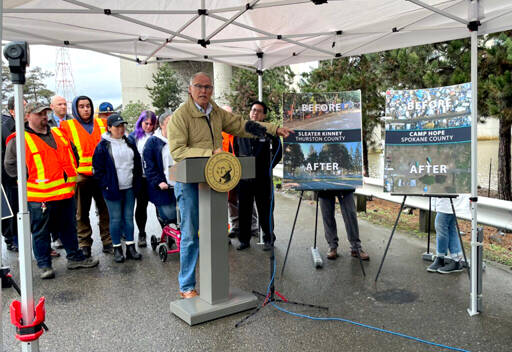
(216, 299)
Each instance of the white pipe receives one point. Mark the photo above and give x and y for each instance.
(260, 87)
(203, 21)
(473, 309)
(24, 237)
(438, 11)
(260, 78)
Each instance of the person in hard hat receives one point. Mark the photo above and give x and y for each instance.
(118, 169)
(85, 132)
(52, 172)
(105, 110)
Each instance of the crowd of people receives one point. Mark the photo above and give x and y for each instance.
(72, 160)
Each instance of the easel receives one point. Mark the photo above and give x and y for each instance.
(314, 250)
(450, 196)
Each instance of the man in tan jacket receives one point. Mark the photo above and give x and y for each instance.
(195, 130)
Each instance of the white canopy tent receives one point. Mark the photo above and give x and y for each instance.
(235, 31)
(257, 35)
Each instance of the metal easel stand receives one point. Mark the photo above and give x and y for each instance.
(317, 259)
(450, 196)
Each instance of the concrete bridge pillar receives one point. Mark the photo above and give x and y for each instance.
(222, 75)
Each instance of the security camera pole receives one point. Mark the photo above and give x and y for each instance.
(17, 55)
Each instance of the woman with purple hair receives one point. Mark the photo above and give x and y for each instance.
(144, 128)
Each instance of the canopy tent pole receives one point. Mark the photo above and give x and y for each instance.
(24, 237)
(473, 26)
(259, 71)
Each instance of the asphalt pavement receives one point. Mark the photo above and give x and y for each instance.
(125, 307)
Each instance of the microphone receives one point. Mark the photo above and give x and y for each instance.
(255, 129)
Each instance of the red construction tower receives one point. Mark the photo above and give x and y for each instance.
(64, 82)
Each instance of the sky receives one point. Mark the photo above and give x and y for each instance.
(95, 75)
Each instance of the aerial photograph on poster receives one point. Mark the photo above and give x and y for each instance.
(325, 152)
(428, 140)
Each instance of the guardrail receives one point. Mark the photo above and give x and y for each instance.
(491, 211)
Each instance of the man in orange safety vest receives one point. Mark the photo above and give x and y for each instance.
(85, 132)
(51, 169)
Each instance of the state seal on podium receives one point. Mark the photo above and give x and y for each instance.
(223, 172)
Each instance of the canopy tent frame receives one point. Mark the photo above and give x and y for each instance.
(291, 47)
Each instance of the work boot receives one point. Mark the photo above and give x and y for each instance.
(86, 250)
(142, 240)
(79, 264)
(362, 254)
(267, 246)
(131, 253)
(107, 248)
(438, 263)
(47, 273)
(332, 254)
(118, 254)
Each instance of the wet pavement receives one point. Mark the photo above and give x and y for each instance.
(125, 307)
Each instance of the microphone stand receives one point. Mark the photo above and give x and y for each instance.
(270, 296)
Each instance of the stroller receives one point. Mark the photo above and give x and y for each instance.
(171, 237)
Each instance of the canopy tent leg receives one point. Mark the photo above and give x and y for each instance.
(473, 17)
(24, 237)
(259, 71)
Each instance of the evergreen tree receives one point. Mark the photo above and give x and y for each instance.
(166, 90)
(496, 92)
(244, 86)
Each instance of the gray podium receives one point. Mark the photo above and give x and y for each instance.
(216, 299)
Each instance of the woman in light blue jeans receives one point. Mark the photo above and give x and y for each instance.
(447, 238)
(118, 168)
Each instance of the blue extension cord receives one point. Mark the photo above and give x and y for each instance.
(298, 315)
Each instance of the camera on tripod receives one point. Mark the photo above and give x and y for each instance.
(18, 57)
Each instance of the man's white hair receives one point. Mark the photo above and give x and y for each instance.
(199, 74)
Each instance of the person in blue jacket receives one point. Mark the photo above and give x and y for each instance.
(118, 168)
(157, 160)
(144, 129)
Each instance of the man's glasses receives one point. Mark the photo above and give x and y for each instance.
(257, 110)
(199, 87)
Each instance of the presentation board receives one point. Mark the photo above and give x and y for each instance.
(428, 140)
(325, 152)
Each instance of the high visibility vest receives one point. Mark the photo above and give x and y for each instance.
(51, 172)
(84, 142)
(227, 143)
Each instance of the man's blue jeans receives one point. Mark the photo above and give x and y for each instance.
(55, 216)
(188, 202)
(446, 236)
(121, 216)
